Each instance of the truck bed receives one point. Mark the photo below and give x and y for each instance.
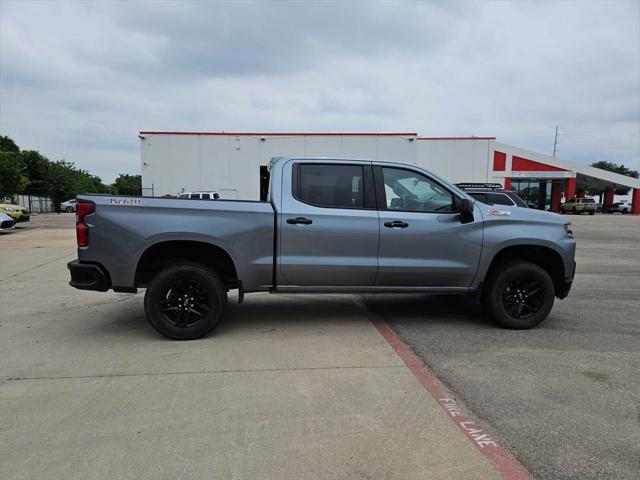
(123, 228)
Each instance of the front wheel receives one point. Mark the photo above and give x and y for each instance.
(519, 295)
(185, 301)
(591, 212)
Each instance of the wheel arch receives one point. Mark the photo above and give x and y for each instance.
(545, 257)
(165, 253)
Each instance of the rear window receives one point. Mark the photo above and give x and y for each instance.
(339, 186)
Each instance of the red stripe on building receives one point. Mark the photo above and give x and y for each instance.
(456, 138)
(287, 134)
(520, 164)
(499, 161)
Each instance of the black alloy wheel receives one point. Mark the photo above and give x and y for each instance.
(523, 298)
(518, 294)
(185, 301)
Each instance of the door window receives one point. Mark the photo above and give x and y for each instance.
(334, 186)
(205, 196)
(410, 191)
(195, 196)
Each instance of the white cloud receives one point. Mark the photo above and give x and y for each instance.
(79, 80)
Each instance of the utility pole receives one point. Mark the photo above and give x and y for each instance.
(555, 143)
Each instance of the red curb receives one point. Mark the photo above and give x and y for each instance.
(508, 469)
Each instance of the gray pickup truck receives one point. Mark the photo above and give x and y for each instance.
(329, 225)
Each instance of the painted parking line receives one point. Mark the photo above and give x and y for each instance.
(506, 466)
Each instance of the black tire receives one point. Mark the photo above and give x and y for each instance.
(176, 287)
(562, 210)
(591, 212)
(69, 209)
(517, 283)
(575, 211)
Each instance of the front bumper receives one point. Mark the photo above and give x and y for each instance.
(7, 224)
(562, 291)
(88, 276)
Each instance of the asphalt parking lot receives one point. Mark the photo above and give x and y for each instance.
(564, 397)
(304, 387)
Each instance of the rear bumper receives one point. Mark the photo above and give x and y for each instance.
(88, 276)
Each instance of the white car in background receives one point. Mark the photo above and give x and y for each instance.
(6, 222)
(620, 207)
(199, 195)
(68, 206)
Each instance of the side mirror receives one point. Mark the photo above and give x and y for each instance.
(465, 207)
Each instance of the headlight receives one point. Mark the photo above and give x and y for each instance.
(567, 229)
(9, 209)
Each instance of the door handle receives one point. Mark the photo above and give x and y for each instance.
(299, 221)
(396, 224)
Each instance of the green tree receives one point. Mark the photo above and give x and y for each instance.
(36, 168)
(31, 171)
(127, 184)
(614, 167)
(8, 145)
(12, 178)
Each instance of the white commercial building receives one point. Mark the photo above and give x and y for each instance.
(234, 164)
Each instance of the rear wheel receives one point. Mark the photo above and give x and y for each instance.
(519, 295)
(591, 212)
(185, 301)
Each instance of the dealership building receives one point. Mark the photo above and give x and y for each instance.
(235, 164)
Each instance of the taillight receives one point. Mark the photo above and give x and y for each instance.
(82, 230)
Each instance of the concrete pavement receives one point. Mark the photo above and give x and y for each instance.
(286, 387)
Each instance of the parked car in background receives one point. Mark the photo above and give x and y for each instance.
(69, 205)
(17, 212)
(579, 205)
(619, 207)
(199, 195)
(492, 194)
(6, 222)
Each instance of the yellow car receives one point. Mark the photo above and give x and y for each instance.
(17, 212)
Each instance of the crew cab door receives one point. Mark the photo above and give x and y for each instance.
(422, 240)
(328, 225)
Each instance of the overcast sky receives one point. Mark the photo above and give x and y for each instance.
(79, 80)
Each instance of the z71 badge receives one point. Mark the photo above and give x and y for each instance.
(125, 201)
(499, 213)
